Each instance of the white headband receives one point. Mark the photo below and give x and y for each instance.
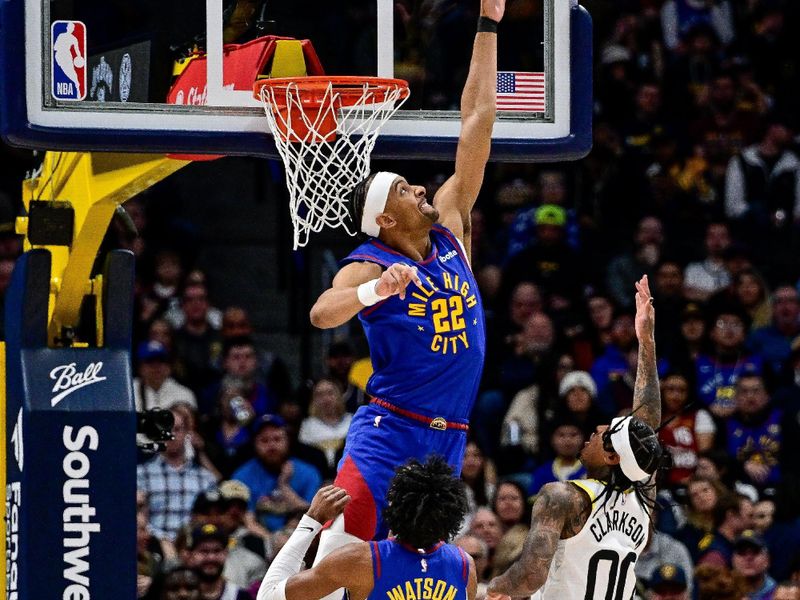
(377, 195)
(621, 442)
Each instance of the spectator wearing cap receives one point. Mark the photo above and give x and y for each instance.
(668, 583)
(627, 268)
(566, 441)
(717, 372)
(662, 549)
(753, 433)
(155, 387)
(552, 187)
(206, 553)
(234, 501)
(242, 566)
(577, 392)
(280, 485)
(751, 560)
(685, 433)
(207, 508)
(172, 482)
(774, 341)
(549, 261)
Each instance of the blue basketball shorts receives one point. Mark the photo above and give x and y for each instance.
(378, 442)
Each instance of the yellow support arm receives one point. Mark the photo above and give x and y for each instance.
(95, 184)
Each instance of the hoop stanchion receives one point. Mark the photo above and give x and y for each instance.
(325, 129)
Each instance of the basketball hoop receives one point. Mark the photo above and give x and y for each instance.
(325, 129)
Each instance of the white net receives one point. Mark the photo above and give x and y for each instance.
(325, 143)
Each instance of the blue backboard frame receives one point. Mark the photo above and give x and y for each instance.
(18, 129)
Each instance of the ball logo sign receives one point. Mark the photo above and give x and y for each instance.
(68, 52)
(68, 379)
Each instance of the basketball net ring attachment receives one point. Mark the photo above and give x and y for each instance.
(325, 129)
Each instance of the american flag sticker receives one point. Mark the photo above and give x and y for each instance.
(520, 91)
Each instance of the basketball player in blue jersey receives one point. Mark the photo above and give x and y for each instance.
(426, 506)
(586, 534)
(412, 287)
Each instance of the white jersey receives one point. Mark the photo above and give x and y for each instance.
(597, 562)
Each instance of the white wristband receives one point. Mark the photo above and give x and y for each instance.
(367, 294)
(289, 560)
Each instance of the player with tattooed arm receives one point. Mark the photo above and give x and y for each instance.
(586, 534)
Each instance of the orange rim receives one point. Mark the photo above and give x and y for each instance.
(312, 89)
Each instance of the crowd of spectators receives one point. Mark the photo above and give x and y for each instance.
(694, 180)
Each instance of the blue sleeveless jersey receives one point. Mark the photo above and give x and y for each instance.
(402, 573)
(427, 351)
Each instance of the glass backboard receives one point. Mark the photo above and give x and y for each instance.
(96, 74)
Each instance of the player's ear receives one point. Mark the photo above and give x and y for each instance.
(385, 221)
(610, 458)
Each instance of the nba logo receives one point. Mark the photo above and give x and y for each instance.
(68, 52)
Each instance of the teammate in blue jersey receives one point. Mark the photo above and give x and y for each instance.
(412, 287)
(427, 504)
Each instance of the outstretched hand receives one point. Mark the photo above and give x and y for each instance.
(493, 9)
(645, 313)
(395, 280)
(328, 503)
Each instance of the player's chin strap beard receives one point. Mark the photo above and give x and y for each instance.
(377, 195)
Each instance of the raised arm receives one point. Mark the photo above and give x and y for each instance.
(343, 300)
(559, 509)
(646, 391)
(457, 196)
